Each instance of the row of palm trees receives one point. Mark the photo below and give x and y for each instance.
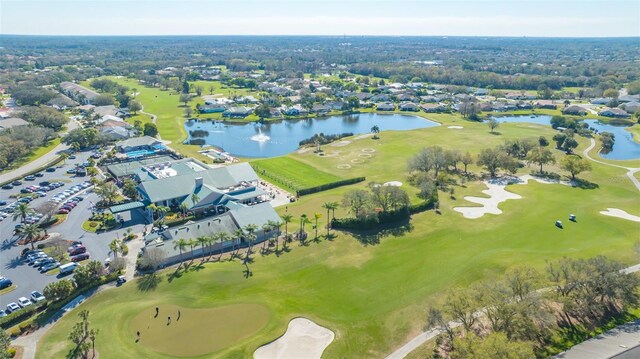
(248, 233)
(304, 220)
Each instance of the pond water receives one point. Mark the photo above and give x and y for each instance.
(282, 137)
(625, 148)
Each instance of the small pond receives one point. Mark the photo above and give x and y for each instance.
(625, 148)
(280, 138)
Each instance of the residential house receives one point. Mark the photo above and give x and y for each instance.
(386, 106)
(631, 107)
(320, 109)
(211, 108)
(116, 129)
(613, 112)
(546, 104)
(335, 105)
(409, 106)
(574, 110)
(11, 122)
(432, 107)
(601, 101)
(79, 93)
(237, 112)
(629, 98)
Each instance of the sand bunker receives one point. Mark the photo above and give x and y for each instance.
(393, 183)
(303, 339)
(615, 212)
(455, 127)
(340, 143)
(526, 178)
(497, 194)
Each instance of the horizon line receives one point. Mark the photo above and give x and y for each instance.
(322, 35)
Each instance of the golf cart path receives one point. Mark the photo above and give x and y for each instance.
(630, 170)
(423, 337)
(153, 119)
(29, 342)
(40, 161)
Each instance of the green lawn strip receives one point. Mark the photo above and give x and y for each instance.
(291, 173)
(375, 297)
(8, 289)
(90, 226)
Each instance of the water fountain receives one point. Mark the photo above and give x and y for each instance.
(260, 137)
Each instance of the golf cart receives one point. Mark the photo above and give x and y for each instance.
(121, 280)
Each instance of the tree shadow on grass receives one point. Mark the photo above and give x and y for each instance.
(148, 282)
(196, 267)
(374, 235)
(584, 184)
(247, 271)
(174, 275)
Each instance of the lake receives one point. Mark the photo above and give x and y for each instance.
(282, 137)
(625, 148)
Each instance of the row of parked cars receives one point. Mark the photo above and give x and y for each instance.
(19, 183)
(23, 302)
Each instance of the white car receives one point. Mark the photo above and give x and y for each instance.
(12, 307)
(37, 296)
(24, 302)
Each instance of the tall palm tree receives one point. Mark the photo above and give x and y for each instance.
(250, 230)
(303, 220)
(266, 229)
(330, 206)
(202, 241)
(180, 244)
(192, 243)
(316, 216)
(275, 225)
(286, 218)
(115, 246)
(223, 237)
(30, 233)
(22, 211)
(238, 234)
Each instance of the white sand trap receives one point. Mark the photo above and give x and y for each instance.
(615, 212)
(497, 194)
(456, 127)
(340, 143)
(303, 339)
(393, 183)
(360, 137)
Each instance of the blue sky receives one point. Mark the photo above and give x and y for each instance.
(572, 18)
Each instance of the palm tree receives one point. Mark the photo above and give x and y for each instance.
(287, 218)
(375, 129)
(30, 233)
(192, 243)
(180, 244)
(303, 220)
(266, 229)
(329, 206)
(195, 199)
(250, 230)
(203, 241)
(108, 192)
(223, 237)
(22, 211)
(238, 234)
(275, 225)
(316, 216)
(114, 247)
(162, 212)
(152, 208)
(183, 208)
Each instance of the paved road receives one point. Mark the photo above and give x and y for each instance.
(630, 170)
(422, 338)
(41, 161)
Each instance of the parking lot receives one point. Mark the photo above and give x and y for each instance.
(12, 266)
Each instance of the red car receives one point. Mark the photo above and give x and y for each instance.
(77, 250)
(80, 257)
(70, 204)
(63, 211)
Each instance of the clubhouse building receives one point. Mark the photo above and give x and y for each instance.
(228, 198)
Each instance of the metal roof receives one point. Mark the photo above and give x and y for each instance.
(126, 207)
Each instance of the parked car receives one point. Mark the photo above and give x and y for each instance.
(51, 169)
(39, 174)
(16, 183)
(4, 203)
(40, 261)
(71, 171)
(37, 296)
(5, 283)
(63, 211)
(72, 157)
(121, 280)
(12, 307)
(68, 268)
(30, 178)
(47, 267)
(80, 257)
(24, 302)
(7, 186)
(3, 313)
(78, 250)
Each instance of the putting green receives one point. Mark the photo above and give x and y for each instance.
(198, 331)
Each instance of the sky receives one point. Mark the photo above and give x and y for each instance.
(533, 18)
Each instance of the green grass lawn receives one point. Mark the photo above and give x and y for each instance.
(373, 290)
(292, 174)
(635, 132)
(196, 331)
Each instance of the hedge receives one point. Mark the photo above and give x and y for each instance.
(330, 185)
(49, 308)
(41, 168)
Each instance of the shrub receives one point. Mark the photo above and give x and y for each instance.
(327, 186)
